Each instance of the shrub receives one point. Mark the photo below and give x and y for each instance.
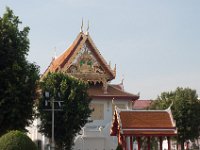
(119, 147)
(16, 140)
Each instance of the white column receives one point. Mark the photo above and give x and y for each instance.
(128, 142)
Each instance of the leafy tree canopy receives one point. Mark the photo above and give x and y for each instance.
(17, 76)
(185, 110)
(75, 107)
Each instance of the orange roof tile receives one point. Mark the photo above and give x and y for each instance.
(145, 119)
(56, 63)
(142, 104)
(119, 86)
(144, 122)
(64, 59)
(112, 92)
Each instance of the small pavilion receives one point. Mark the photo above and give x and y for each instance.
(134, 124)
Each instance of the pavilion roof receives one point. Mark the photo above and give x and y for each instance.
(143, 122)
(84, 61)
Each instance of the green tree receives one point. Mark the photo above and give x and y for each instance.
(18, 77)
(75, 108)
(185, 109)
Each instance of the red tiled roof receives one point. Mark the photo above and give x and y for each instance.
(141, 104)
(145, 119)
(144, 122)
(118, 86)
(112, 92)
(56, 63)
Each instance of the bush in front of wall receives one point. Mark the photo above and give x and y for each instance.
(16, 140)
(119, 147)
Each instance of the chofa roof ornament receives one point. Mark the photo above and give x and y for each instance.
(81, 30)
(87, 30)
(169, 108)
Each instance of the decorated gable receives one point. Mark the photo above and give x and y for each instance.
(83, 60)
(86, 66)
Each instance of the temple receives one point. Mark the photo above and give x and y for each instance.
(115, 120)
(84, 61)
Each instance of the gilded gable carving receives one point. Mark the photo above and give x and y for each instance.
(85, 62)
(86, 66)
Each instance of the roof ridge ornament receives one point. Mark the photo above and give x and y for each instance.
(122, 80)
(122, 83)
(169, 108)
(87, 31)
(55, 50)
(115, 69)
(113, 101)
(81, 30)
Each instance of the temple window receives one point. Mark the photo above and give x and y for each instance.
(98, 113)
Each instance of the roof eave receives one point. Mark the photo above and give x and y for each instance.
(115, 96)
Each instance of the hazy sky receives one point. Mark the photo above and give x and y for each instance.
(155, 43)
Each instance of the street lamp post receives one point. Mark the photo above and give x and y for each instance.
(52, 126)
(52, 101)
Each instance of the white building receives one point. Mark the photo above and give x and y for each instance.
(84, 61)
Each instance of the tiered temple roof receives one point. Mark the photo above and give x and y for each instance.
(84, 61)
(82, 57)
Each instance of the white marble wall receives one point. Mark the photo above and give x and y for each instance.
(96, 134)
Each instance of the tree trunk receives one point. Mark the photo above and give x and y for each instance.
(182, 145)
(177, 145)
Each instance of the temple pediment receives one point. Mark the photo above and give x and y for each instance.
(84, 61)
(86, 66)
